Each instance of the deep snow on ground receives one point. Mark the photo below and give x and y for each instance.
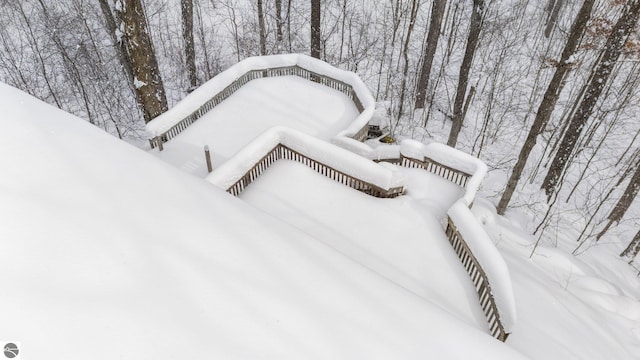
(583, 307)
(401, 239)
(109, 253)
(131, 258)
(260, 104)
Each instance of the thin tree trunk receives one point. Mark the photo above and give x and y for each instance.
(189, 47)
(623, 203)
(633, 249)
(405, 53)
(261, 30)
(437, 10)
(279, 36)
(465, 68)
(553, 17)
(549, 101)
(315, 29)
(612, 51)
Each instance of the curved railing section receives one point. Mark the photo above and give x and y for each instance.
(280, 143)
(209, 95)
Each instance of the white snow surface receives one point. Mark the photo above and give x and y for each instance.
(340, 159)
(109, 253)
(206, 91)
(401, 239)
(257, 106)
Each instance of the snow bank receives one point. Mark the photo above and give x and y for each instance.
(205, 92)
(338, 158)
(489, 259)
(116, 255)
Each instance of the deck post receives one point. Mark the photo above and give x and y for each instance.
(207, 156)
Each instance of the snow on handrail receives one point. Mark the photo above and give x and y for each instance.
(214, 91)
(478, 255)
(485, 266)
(285, 143)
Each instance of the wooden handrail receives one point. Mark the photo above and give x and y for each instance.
(283, 152)
(479, 279)
(469, 261)
(294, 70)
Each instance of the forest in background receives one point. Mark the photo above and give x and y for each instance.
(492, 65)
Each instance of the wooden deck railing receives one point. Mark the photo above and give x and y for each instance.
(283, 152)
(469, 261)
(294, 70)
(480, 281)
(454, 175)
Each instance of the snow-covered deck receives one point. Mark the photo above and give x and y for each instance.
(401, 239)
(259, 105)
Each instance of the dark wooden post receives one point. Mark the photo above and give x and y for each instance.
(207, 156)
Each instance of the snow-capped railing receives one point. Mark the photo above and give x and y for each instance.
(485, 267)
(475, 250)
(439, 159)
(216, 90)
(283, 143)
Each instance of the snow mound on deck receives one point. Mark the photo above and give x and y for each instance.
(110, 253)
(209, 89)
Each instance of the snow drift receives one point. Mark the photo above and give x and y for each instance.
(109, 253)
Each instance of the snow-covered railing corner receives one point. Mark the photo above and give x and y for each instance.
(283, 143)
(216, 90)
(485, 266)
(447, 162)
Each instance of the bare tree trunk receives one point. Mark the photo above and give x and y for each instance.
(261, 30)
(147, 79)
(121, 48)
(612, 51)
(624, 202)
(553, 17)
(189, 47)
(437, 10)
(465, 68)
(279, 36)
(315, 29)
(633, 249)
(548, 101)
(405, 54)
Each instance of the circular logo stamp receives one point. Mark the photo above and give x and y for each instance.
(11, 350)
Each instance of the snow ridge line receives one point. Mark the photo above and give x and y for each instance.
(213, 92)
